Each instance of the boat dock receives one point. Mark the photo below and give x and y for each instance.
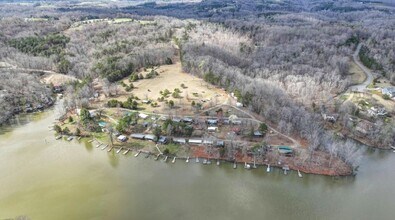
(137, 154)
(100, 144)
(174, 160)
(126, 152)
(286, 169)
(165, 159)
(105, 146)
(299, 174)
(119, 150)
(110, 149)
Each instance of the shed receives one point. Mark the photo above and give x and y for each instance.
(212, 129)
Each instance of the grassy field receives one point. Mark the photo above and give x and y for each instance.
(356, 74)
(171, 77)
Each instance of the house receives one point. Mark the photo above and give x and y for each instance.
(239, 104)
(220, 143)
(179, 140)
(143, 116)
(208, 142)
(258, 134)
(177, 120)
(329, 118)
(187, 120)
(195, 141)
(122, 138)
(390, 91)
(137, 136)
(162, 140)
(287, 151)
(150, 137)
(146, 101)
(212, 129)
(212, 121)
(373, 111)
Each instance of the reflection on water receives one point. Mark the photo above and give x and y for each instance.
(74, 180)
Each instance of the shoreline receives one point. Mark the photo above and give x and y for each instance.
(289, 166)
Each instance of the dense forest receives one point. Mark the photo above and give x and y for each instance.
(283, 59)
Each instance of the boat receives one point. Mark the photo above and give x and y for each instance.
(110, 149)
(197, 159)
(174, 160)
(97, 146)
(104, 147)
(119, 150)
(392, 147)
(205, 161)
(79, 138)
(187, 160)
(209, 161)
(234, 165)
(70, 138)
(247, 166)
(299, 174)
(58, 137)
(268, 168)
(138, 153)
(90, 141)
(217, 162)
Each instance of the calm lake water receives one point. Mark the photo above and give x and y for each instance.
(47, 179)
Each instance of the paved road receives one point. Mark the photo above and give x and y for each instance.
(369, 76)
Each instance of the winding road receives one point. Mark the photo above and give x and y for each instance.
(369, 76)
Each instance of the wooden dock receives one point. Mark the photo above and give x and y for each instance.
(138, 153)
(126, 152)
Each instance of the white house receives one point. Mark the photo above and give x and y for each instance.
(143, 116)
(122, 138)
(390, 91)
